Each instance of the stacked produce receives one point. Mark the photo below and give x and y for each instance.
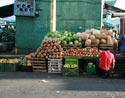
(63, 37)
(49, 49)
(28, 58)
(69, 66)
(91, 52)
(10, 60)
(96, 37)
(9, 65)
(85, 52)
(73, 52)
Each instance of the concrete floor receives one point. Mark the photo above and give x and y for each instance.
(44, 85)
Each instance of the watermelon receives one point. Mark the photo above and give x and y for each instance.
(65, 33)
(71, 43)
(68, 39)
(64, 42)
(70, 34)
(75, 37)
(76, 42)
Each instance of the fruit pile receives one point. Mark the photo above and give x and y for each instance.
(10, 60)
(49, 49)
(73, 52)
(91, 52)
(64, 37)
(85, 52)
(28, 60)
(70, 66)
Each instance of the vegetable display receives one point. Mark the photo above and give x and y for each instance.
(85, 52)
(63, 37)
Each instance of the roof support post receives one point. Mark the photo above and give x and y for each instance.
(53, 16)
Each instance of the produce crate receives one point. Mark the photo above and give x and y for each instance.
(109, 47)
(1, 67)
(72, 57)
(90, 69)
(71, 61)
(54, 65)
(70, 71)
(71, 67)
(10, 67)
(39, 64)
(71, 46)
(92, 46)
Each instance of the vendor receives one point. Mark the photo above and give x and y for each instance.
(122, 42)
(106, 64)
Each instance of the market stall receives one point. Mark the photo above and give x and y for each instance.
(71, 53)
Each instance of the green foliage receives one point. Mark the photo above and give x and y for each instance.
(8, 35)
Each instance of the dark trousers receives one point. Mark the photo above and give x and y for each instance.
(104, 73)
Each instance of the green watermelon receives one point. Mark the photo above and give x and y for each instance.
(76, 42)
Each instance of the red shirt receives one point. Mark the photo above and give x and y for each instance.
(106, 60)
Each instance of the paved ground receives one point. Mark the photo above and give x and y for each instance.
(43, 85)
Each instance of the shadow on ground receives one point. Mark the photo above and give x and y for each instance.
(57, 81)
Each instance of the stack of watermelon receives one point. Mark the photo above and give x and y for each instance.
(63, 37)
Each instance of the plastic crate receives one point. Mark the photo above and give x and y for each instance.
(70, 71)
(71, 61)
(10, 67)
(90, 69)
(55, 66)
(1, 67)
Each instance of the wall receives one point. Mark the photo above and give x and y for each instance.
(31, 30)
(78, 15)
(72, 15)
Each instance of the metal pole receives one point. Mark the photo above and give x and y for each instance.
(53, 16)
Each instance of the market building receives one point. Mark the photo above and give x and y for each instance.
(63, 34)
(70, 15)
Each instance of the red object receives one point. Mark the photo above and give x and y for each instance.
(106, 60)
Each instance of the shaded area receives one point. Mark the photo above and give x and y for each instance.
(59, 82)
(7, 10)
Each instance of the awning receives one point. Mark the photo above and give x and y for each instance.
(6, 11)
(113, 8)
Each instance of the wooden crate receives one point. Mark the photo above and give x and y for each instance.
(111, 48)
(39, 69)
(71, 46)
(39, 64)
(92, 46)
(54, 65)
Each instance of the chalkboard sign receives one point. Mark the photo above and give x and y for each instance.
(24, 8)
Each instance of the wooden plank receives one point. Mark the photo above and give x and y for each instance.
(43, 62)
(39, 66)
(42, 59)
(40, 70)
